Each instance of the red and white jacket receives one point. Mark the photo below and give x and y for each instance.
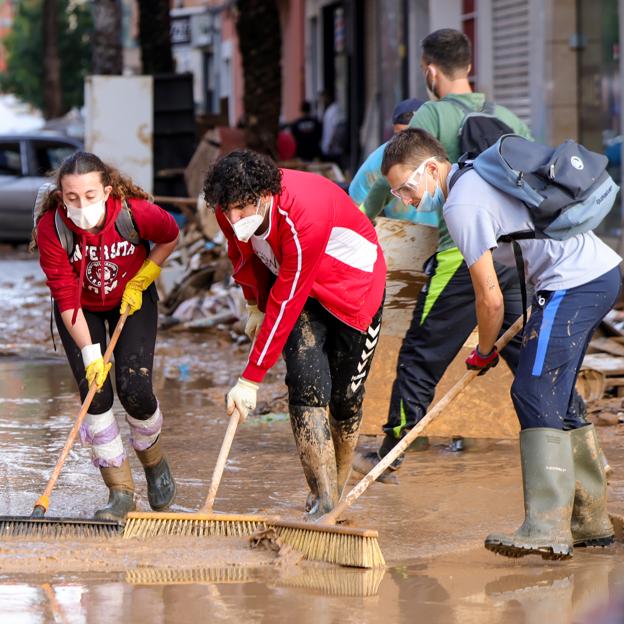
(95, 274)
(318, 244)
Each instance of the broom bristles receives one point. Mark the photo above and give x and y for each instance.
(332, 544)
(58, 528)
(340, 545)
(147, 525)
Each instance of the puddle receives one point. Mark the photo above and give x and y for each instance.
(431, 527)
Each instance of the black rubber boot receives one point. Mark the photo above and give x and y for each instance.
(591, 525)
(161, 487)
(365, 462)
(310, 427)
(121, 493)
(548, 479)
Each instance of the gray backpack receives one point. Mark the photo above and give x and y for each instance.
(566, 189)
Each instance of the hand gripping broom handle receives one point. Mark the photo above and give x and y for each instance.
(220, 466)
(374, 474)
(41, 506)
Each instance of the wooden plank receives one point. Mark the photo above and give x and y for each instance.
(605, 363)
(607, 345)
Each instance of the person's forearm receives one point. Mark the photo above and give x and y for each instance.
(80, 330)
(377, 198)
(159, 253)
(490, 319)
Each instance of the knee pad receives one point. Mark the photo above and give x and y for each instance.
(102, 433)
(144, 432)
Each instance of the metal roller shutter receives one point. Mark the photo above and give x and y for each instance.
(510, 52)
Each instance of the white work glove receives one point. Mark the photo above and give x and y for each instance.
(254, 321)
(242, 397)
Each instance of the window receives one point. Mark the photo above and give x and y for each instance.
(49, 156)
(469, 28)
(10, 159)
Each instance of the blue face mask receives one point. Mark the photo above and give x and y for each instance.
(432, 203)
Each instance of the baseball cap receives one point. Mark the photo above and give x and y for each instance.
(403, 111)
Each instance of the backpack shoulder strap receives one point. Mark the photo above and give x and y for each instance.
(464, 167)
(125, 224)
(66, 236)
(465, 108)
(489, 108)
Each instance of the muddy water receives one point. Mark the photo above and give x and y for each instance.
(431, 526)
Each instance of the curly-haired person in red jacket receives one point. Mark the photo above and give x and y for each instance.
(313, 275)
(95, 270)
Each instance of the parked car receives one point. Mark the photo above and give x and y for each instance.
(25, 159)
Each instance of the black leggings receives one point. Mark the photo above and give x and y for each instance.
(327, 362)
(134, 357)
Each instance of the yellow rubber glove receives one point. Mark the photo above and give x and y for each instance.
(94, 365)
(133, 293)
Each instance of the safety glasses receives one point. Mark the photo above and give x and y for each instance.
(406, 192)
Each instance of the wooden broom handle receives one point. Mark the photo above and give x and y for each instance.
(220, 466)
(71, 438)
(443, 403)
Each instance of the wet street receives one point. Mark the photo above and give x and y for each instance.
(431, 526)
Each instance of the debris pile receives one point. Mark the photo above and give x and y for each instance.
(195, 286)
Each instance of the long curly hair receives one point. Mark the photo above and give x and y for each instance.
(81, 163)
(240, 178)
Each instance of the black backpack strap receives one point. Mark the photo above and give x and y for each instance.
(464, 167)
(125, 224)
(65, 235)
(489, 108)
(465, 108)
(513, 239)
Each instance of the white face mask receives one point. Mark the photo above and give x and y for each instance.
(246, 227)
(88, 216)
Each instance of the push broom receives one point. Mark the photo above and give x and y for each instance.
(39, 526)
(319, 541)
(205, 522)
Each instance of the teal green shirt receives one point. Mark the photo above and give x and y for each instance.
(442, 119)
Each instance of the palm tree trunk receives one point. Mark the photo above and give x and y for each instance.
(155, 36)
(52, 93)
(107, 53)
(260, 43)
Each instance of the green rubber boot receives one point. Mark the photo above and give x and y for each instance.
(310, 427)
(548, 480)
(161, 486)
(345, 435)
(121, 493)
(591, 525)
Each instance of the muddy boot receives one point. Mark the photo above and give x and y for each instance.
(161, 487)
(121, 492)
(316, 450)
(548, 480)
(366, 461)
(345, 436)
(591, 525)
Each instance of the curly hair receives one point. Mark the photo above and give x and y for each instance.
(81, 163)
(240, 178)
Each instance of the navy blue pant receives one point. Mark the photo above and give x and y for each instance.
(554, 344)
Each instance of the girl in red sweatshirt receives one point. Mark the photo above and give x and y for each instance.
(95, 270)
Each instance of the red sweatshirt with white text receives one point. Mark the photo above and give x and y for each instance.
(95, 274)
